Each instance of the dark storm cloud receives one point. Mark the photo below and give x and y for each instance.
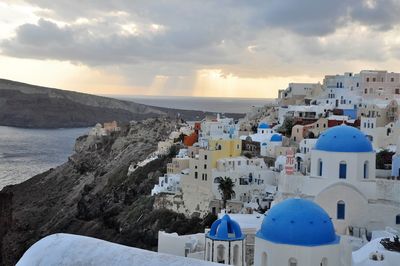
(322, 17)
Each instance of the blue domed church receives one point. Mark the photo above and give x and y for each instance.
(342, 180)
(225, 242)
(297, 232)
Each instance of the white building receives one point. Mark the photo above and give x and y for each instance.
(304, 112)
(268, 138)
(280, 163)
(299, 93)
(381, 136)
(303, 157)
(169, 183)
(252, 178)
(349, 90)
(191, 246)
(97, 131)
(219, 128)
(343, 181)
(341, 91)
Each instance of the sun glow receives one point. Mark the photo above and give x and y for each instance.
(213, 82)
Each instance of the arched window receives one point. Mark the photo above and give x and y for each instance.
(264, 259)
(236, 255)
(342, 170)
(292, 262)
(366, 169)
(398, 219)
(319, 170)
(324, 262)
(221, 254)
(341, 210)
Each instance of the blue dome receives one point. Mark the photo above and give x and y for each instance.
(276, 138)
(343, 139)
(298, 222)
(225, 229)
(264, 144)
(263, 126)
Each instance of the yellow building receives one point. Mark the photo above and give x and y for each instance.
(197, 185)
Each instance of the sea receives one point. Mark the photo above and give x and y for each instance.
(210, 104)
(28, 152)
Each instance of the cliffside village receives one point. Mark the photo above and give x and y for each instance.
(311, 180)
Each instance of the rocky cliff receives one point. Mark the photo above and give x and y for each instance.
(30, 106)
(24, 105)
(93, 195)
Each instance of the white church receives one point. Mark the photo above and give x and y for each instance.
(342, 181)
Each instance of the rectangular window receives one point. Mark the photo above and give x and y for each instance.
(342, 170)
(205, 166)
(320, 168)
(365, 170)
(340, 211)
(398, 219)
(196, 175)
(205, 157)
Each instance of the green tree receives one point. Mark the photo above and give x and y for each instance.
(286, 127)
(225, 187)
(384, 157)
(173, 151)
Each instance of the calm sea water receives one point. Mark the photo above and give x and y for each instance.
(212, 104)
(27, 152)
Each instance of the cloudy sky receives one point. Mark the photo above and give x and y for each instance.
(197, 48)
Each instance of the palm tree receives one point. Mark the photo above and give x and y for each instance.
(225, 187)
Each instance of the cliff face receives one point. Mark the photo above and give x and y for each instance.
(25, 105)
(92, 195)
(29, 106)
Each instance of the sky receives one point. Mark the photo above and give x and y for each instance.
(194, 48)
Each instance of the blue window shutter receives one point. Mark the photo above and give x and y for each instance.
(342, 170)
(365, 170)
(320, 168)
(341, 211)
